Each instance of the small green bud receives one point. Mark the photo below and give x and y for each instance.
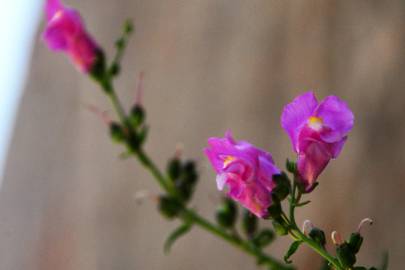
(249, 223)
(174, 168)
(185, 190)
(226, 214)
(190, 173)
(128, 27)
(117, 132)
(355, 242)
(318, 236)
(264, 238)
(98, 69)
(137, 116)
(115, 69)
(274, 209)
(345, 255)
(169, 207)
(120, 43)
(283, 186)
(280, 228)
(291, 166)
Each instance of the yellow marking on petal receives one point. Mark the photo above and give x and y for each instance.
(315, 123)
(228, 160)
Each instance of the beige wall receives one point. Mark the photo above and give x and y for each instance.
(67, 201)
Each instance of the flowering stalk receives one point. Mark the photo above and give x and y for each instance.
(188, 215)
(318, 131)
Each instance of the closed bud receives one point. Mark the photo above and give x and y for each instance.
(190, 173)
(345, 255)
(115, 69)
(226, 214)
(174, 168)
(279, 227)
(120, 43)
(169, 207)
(128, 27)
(274, 210)
(318, 236)
(264, 238)
(137, 116)
(291, 166)
(283, 186)
(249, 223)
(355, 242)
(98, 69)
(117, 132)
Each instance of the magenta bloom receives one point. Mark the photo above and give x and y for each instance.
(246, 170)
(318, 131)
(65, 31)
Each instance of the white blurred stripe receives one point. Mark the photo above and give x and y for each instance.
(18, 23)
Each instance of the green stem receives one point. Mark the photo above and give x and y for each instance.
(117, 106)
(296, 233)
(190, 215)
(154, 170)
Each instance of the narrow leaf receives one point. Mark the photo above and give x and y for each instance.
(180, 231)
(293, 248)
(302, 204)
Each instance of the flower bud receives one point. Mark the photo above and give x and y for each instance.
(291, 166)
(190, 173)
(355, 242)
(249, 223)
(318, 236)
(279, 227)
(283, 186)
(274, 211)
(117, 132)
(345, 255)
(226, 213)
(169, 207)
(263, 238)
(137, 116)
(174, 168)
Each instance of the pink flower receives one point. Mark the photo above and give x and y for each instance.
(65, 31)
(247, 172)
(317, 131)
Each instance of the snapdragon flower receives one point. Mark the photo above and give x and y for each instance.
(245, 170)
(318, 132)
(65, 31)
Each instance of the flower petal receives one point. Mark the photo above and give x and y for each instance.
(337, 118)
(296, 113)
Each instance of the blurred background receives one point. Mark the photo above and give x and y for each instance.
(67, 200)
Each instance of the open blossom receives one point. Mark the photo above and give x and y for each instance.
(245, 170)
(318, 131)
(65, 31)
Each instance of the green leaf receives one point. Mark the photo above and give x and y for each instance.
(302, 204)
(180, 231)
(293, 248)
